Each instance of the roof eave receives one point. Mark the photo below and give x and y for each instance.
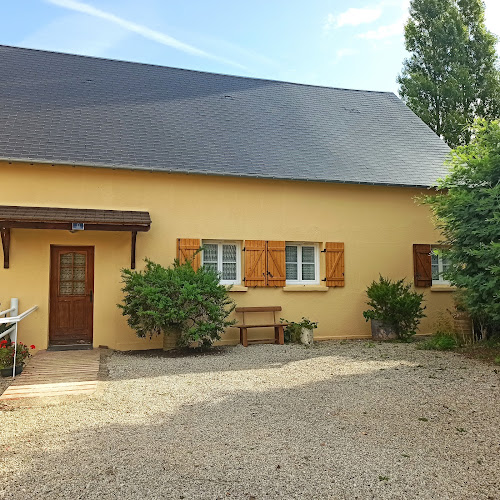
(54, 162)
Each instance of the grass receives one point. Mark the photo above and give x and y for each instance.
(439, 342)
(487, 351)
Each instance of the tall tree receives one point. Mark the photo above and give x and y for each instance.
(451, 77)
(466, 206)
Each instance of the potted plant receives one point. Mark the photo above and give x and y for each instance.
(462, 321)
(7, 350)
(396, 309)
(189, 307)
(300, 332)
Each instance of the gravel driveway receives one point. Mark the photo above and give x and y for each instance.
(337, 420)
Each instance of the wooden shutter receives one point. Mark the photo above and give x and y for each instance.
(334, 253)
(186, 248)
(276, 266)
(422, 265)
(255, 263)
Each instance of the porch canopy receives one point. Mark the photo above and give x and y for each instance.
(71, 219)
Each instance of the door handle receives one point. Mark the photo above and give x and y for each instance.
(91, 294)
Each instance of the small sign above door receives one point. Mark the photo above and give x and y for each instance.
(77, 226)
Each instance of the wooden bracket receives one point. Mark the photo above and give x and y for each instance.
(132, 253)
(5, 232)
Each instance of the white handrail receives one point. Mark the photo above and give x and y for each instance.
(16, 319)
(14, 308)
(3, 313)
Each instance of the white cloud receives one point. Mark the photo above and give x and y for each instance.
(139, 29)
(70, 33)
(346, 52)
(492, 17)
(353, 17)
(386, 31)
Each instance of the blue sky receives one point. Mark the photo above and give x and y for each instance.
(356, 44)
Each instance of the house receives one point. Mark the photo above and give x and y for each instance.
(301, 195)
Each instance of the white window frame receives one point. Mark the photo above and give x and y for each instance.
(299, 245)
(439, 255)
(237, 281)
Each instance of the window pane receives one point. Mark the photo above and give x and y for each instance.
(291, 253)
(291, 271)
(446, 264)
(228, 271)
(308, 254)
(308, 272)
(210, 265)
(435, 266)
(210, 254)
(229, 253)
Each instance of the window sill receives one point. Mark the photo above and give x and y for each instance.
(236, 288)
(305, 288)
(443, 288)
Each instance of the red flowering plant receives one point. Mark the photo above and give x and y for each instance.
(7, 350)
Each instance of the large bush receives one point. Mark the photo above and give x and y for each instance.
(467, 211)
(176, 299)
(395, 304)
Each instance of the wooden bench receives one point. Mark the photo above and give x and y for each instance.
(278, 327)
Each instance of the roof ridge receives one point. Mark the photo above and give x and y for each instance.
(29, 49)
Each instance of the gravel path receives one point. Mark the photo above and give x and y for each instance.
(337, 420)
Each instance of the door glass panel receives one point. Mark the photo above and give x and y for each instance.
(66, 288)
(79, 259)
(79, 288)
(79, 273)
(66, 259)
(72, 272)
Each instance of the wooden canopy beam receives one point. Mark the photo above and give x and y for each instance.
(73, 220)
(5, 232)
(68, 226)
(132, 252)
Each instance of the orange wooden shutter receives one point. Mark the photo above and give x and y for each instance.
(255, 263)
(186, 249)
(276, 266)
(334, 253)
(422, 265)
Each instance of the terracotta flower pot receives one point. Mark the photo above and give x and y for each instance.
(383, 331)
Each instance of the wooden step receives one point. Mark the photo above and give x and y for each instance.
(56, 373)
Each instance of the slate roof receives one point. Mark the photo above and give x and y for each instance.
(67, 109)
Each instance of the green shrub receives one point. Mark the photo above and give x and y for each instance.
(440, 342)
(394, 303)
(160, 300)
(293, 330)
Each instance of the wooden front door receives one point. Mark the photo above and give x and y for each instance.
(71, 295)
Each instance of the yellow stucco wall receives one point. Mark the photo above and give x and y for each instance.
(377, 224)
